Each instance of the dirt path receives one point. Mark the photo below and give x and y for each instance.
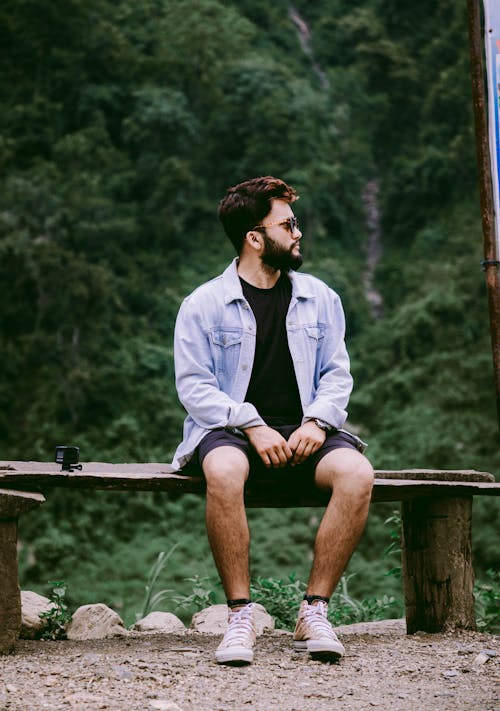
(385, 670)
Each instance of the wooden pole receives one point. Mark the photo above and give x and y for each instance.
(491, 264)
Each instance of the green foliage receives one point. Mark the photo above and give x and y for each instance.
(203, 594)
(281, 598)
(345, 609)
(487, 595)
(153, 598)
(57, 617)
(394, 547)
(122, 125)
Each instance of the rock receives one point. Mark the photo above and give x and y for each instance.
(377, 627)
(480, 658)
(122, 672)
(32, 605)
(213, 620)
(95, 622)
(83, 700)
(463, 650)
(490, 652)
(160, 622)
(164, 705)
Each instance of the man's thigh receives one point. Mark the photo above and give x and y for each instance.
(220, 445)
(219, 438)
(224, 465)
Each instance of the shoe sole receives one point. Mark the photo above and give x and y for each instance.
(321, 650)
(236, 656)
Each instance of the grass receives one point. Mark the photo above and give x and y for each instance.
(151, 598)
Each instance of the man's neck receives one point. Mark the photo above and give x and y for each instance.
(259, 275)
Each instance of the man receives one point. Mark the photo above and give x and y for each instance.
(263, 372)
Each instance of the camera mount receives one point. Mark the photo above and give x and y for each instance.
(68, 457)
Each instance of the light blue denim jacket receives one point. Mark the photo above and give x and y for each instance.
(214, 348)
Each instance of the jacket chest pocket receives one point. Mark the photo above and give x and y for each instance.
(314, 336)
(226, 347)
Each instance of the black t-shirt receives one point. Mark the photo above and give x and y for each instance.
(273, 386)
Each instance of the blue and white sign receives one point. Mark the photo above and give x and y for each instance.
(492, 42)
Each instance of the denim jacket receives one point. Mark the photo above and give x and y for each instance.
(214, 348)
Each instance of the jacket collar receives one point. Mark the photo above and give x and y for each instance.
(233, 291)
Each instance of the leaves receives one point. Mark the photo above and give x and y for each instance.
(57, 617)
(123, 124)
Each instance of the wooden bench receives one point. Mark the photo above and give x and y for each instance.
(436, 522)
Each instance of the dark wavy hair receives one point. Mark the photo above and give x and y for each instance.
(245, 205)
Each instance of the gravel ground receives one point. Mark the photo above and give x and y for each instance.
(382, 668)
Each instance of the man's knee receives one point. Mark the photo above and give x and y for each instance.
(346, 471)
(363, 476)
(226, 471)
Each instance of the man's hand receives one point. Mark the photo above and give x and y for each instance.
(271, 447)
(305, 440)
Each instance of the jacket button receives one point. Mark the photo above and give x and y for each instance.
(244, 366)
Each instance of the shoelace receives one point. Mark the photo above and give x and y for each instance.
(315, 616)
(240, 626)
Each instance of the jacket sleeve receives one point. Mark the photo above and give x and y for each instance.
(333, 379)
(197, 385)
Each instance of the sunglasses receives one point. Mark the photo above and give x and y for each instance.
(291, 223)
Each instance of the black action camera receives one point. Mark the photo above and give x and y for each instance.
(68, 457)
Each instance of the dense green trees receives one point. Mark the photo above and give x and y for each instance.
(122, 124)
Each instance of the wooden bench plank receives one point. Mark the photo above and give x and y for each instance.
(389, 485)
(14, 503)
(154, 469)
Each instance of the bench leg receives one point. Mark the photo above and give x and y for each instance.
(10, 595)
(437, 564)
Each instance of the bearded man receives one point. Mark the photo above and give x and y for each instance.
(263, 372)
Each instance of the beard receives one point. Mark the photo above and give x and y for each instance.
(280, 258)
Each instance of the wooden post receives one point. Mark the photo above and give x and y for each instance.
(437, 564)
(12, 504)
(10, 610)
(491, 262)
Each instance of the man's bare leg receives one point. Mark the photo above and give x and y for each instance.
(226, 471)
(349, 475)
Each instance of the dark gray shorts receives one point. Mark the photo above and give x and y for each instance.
(224, 438)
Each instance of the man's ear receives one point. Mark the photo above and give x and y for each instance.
(253, 239)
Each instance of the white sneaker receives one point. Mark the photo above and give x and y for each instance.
(238, 642)
(314, 633)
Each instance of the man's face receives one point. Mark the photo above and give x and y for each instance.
(281, 240)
